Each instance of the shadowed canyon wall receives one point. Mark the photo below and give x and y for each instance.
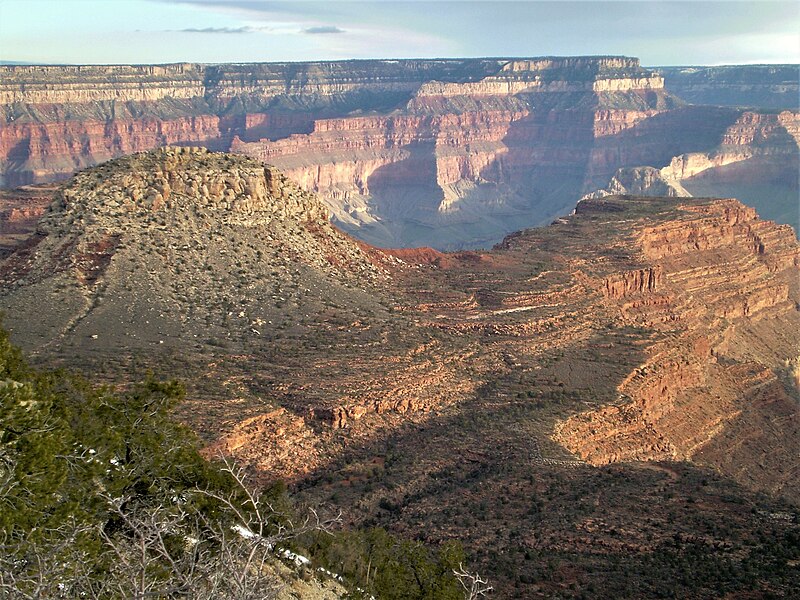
(758, 86)
(756, 161)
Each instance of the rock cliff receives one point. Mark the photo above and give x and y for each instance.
(756, 160)
(466, 162)
(702, 385)
(757, 86)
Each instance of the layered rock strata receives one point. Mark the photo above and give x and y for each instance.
(448, 153)
(712, 388)
(756, 160)
(20, 210)
(757, 86)
(459, 168)
(636, 329)
(442, 152)
(674, 321)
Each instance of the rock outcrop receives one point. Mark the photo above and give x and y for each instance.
(707, 377)
(633, 282)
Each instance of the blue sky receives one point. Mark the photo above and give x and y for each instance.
(161, 31)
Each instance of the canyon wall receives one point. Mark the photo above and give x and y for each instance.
(755, 161)
(465, 163)
(447, 153)
(715, 386)
(58, 119)
(756, 86)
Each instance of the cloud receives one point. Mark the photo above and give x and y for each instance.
(323, 29)
(218, 30)
(317, 29)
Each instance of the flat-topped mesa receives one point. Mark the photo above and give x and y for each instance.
(234, 189)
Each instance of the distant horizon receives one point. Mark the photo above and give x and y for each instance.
(148, 32)
(12, 63)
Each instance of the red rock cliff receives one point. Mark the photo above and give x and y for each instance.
(713, 386)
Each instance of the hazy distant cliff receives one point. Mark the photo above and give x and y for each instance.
(760, 86)
(756, 160)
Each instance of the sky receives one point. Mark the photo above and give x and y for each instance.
(212, 31)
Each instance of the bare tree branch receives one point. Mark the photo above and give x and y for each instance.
(474, 585)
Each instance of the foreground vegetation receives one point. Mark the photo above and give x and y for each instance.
(103, 495)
